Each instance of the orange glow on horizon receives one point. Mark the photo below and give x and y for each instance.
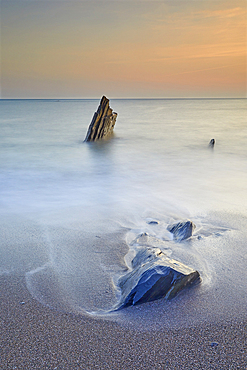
(153, 52)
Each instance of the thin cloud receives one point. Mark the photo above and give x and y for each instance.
(182, 52)
(201, 70)
(179, 20)
(223, 13)
(233, 52)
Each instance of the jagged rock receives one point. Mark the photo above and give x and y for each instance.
(211, 143)
(154, 276)
(102, 123)
(182, 230)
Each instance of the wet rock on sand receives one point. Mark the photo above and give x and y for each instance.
(154, 276)
(182, 230)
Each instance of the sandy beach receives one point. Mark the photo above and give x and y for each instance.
(36, 337)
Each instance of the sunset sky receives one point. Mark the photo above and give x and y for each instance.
(123, 49)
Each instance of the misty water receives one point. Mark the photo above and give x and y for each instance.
(70, 210)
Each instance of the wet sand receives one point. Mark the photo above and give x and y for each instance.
(37, 337)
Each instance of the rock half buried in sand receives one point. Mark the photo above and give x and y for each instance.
(154, 276)
(103, 122)
(182, 230)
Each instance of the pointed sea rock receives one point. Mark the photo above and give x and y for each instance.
(103, 122)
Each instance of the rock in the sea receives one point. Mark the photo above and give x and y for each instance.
(211, 143)
(103, 122)
(182, 230)
(154, 276)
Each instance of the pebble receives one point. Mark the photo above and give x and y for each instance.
(153, 223)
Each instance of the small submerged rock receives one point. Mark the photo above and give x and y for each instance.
(182, 230)
(154, 276)
(211, 143)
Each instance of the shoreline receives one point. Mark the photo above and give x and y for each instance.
(37, 337)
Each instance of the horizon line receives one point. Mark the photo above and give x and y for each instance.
(151, 98)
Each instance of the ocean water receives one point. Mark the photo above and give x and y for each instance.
(69, 210)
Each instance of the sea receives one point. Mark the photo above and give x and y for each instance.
(70, 210)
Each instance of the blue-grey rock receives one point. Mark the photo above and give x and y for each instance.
(182, 230)
(153, 222)
(103, 122)
(145, 255)
(154, 276)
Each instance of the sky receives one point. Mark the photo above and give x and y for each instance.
(123, 49)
